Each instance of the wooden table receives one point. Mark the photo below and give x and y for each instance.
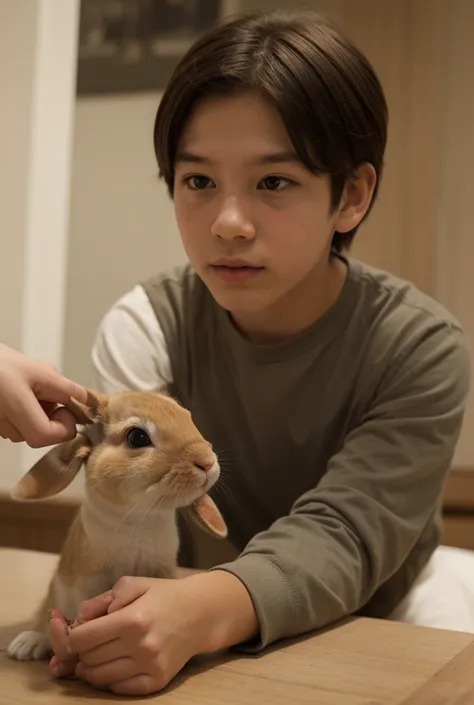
(360, 662)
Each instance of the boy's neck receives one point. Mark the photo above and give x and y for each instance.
(302, 307)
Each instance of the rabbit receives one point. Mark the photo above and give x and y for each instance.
(143, 459)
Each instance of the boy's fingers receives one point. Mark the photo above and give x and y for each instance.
(66, 668)
(90, 635)
(138, 685)
(58, 634)
(127, 590)
(95, 624)
(93, 608)
(63, 663)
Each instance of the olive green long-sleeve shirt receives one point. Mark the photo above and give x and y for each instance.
(335, 444)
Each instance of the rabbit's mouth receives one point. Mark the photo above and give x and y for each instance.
(174, 499)
(175, 490)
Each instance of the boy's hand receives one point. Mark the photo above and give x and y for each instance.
(29, 394)
(145, 639)
(154, 627)
(63, 664)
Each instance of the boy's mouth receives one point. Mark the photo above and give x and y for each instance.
(235, 271)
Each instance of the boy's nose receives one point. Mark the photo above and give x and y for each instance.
(232, 223)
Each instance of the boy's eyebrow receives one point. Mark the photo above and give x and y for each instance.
(271, 158)
(278, 158)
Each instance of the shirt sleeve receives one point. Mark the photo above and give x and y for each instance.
(347, 536)
(129, 350)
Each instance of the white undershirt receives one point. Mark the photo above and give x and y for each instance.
(129, 349)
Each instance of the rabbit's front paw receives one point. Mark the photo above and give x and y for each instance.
(30, 646)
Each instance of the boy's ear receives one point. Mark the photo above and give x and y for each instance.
(205, 514)
(54, 471)
(356, 198)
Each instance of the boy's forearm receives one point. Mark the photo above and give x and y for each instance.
(224, 614)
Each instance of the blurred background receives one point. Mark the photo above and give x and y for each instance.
(83, 216)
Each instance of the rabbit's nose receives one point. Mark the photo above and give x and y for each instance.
(205, 466)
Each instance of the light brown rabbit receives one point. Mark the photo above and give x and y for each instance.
(143, 458)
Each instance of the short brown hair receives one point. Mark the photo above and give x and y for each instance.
(323, 87)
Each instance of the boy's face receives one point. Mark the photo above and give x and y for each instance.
(255, 223)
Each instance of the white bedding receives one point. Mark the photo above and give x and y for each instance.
(443, 596)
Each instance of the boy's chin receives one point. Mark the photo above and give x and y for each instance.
(243, 302)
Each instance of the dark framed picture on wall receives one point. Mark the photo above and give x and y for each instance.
(128, 46)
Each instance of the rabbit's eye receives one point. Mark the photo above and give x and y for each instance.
(138, 438)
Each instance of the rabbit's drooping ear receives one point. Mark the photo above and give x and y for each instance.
(54, 471)
(205, 513)
(59, 466)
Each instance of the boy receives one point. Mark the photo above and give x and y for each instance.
(335, 392)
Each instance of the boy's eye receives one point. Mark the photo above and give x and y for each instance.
(274, 183)
(198, 182)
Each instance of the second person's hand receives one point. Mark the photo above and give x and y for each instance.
(30, 392)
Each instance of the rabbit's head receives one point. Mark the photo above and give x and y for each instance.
(135, 447)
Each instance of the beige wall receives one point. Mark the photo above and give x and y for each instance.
(455, 231)
(122, 225)
(15, 127)
(36, 115)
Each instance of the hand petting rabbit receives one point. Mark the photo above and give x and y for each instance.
(143, 459)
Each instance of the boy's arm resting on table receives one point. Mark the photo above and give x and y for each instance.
(347, 536)
(343, 539)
